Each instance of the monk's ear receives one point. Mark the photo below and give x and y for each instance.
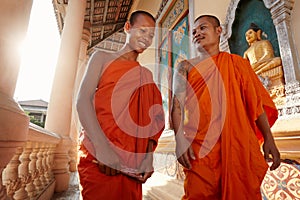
(259, 34)
(219, 30)
(127, 27)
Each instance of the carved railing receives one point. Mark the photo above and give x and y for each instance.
(29, 173)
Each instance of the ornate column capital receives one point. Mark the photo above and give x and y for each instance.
(280, 9)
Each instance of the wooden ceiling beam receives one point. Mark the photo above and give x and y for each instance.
(108, 23)
(104, 17)
(118, 10)
(92, 14)
(95, 42)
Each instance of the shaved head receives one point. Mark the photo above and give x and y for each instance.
(211, 18)
(135, 14)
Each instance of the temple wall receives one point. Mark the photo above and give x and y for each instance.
(216, 7)
(296, 24)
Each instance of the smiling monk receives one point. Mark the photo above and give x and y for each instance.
(220, 112)
(120, 109)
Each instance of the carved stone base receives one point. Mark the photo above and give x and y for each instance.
(277, 93)
(286, 130)
(275, 85)
(13, 134)
(291, 109)
(275, 75)
(47, 193)
(61, 165)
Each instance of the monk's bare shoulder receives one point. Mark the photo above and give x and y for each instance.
(99, 61)
(102, 57)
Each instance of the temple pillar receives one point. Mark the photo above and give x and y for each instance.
(281, 15)
(286, 130)
(14, 19)
(75, 124)
(60, 104)
(14, 23)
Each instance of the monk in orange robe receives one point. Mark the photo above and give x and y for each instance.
(221, 113)
(120, 109)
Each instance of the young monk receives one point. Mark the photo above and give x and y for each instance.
(120, 109)
(219, 109)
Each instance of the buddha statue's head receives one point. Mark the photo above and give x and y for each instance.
(253, 34)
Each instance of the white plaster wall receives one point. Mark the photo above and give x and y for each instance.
(211, 7)
(150, 6)
(296, 24)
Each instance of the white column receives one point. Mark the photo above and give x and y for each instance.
(14, 19)
(13, 22)
(75, 124)
(60, 106)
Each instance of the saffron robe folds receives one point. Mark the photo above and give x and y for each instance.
(129, 110)
(224, 99)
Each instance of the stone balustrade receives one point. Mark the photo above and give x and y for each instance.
(29, 174)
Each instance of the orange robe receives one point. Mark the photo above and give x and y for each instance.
(224, 99)
(129, 110)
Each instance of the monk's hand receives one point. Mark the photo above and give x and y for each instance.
(146, 168)
(269, 147)
(184, 159)
(184, 151)
(109, 163)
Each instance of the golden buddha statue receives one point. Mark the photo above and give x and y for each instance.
(260, 52)
(268, 67)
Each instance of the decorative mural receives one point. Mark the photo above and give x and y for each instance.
(176, 11)
(180, 42)
(282, 183)
(173, 47)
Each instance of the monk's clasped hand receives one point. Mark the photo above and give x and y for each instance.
(269, 147)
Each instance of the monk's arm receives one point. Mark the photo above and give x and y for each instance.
(86, 111)
(269, 146)
(179, 95)
(177, 114)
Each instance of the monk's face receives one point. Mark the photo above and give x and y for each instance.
(141, 33)
(206, 34)
(251, 36)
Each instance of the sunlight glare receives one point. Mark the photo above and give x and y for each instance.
(39, 54)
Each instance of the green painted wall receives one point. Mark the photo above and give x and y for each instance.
(251, 11)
